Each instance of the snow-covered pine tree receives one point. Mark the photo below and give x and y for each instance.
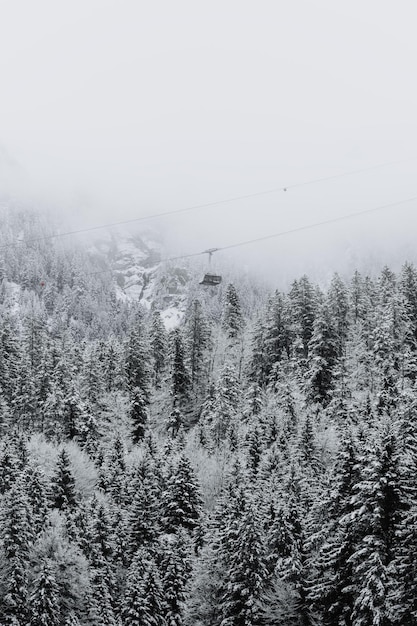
(159, 347)
(232, 319)
(138, 414)
(304, 304)
(180, 376)
(181, 499)
(322, 356)
(64, 495)
(44, 599)
(143, 602)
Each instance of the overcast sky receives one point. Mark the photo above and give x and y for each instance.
(111, 110)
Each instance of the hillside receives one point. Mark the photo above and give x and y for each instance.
(175, 455)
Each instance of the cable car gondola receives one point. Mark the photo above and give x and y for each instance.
(209, 279)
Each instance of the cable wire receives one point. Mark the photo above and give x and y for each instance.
(281, 233)
(205, 205)
(317, 224)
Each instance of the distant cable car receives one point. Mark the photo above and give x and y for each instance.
(42, 283)
(211, 279)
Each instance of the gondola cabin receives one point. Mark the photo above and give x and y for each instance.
(211, 280)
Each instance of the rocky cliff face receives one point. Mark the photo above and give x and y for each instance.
(137, 259)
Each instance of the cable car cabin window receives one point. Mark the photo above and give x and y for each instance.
(211, 279)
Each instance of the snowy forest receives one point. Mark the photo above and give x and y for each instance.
(252, 465)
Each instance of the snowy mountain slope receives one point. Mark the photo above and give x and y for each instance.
(141, 274)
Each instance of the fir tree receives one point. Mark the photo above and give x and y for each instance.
(181, 499)
(304, 306)
(138, 372)
(14, 604)
(8, 467)
(333, 590)
(138, 415)
(246, 571)
(64, 496)
(339, 308)
(142, 515)
(232, 320)
(143, 603)
(175, 568)
(17, 538)
(322, 350)
(158, 342)
(376, 516)
(225, 405)
(180, 379)
(44, 600)
(198, 340)
(101, 609)
(36, 490)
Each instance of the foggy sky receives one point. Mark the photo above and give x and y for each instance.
(112, 110)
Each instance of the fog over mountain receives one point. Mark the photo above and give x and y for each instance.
(112, 112)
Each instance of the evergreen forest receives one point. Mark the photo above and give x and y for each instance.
(254, 465)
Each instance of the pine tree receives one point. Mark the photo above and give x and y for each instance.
(259, 364)
(279, 334)
(225, 405)
(113, 471)
(9, 356)
(339, 308)
(377, 513)
(44, 600)
(254, 400)
(357, 298)
(111, 357)
(8, 467)
(332, 589)
(322, 350)
(36, 490)
(17, 534)
(138, 415)
(198, 340)
(286, 600)
(14, 604)
(246, 570)
(138, 372)
(180, 378)
(408, 290)
(175, 568)
(303, 301)
(143, 603)
(255, 449)
(403, 593)
(100, 532)
(92, 376)
(64, 496)
(24, 401)
(54, 412)
(232, 320)
(181, 498)
(158, 343)
(142, 516)
(101, 610)
(17, 538)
